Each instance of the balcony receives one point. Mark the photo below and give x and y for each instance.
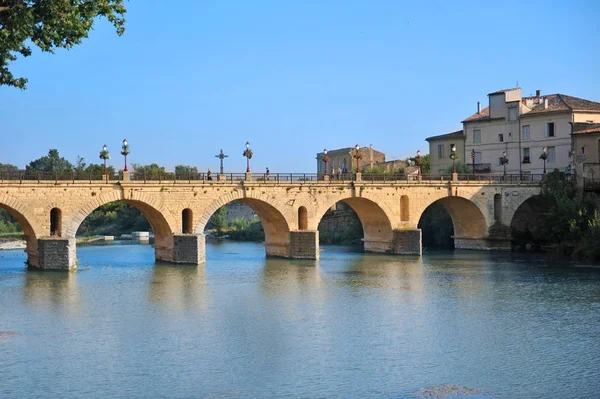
(483, 167)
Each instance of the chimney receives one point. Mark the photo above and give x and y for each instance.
(538, 93)
(546, 103)
(478, 107)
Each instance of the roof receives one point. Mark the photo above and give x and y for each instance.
(503, 91)
(454, 135)
(584, 128)
(556, 103)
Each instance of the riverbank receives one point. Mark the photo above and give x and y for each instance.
(13, 244)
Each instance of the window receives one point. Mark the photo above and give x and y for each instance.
(526, 133)
(551, 154)
(550, 129)
(512, 114)
(302, 218)
(404, 209)
(497, 207)
(582, 150)
(501, 138)
(477, 157)
(476, 136)
(440, 151)
(526, 158)
(499, 161)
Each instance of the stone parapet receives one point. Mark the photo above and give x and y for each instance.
(189, 248)
(55, 253)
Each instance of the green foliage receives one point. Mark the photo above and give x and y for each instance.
(114, 218)
(49, 25)
(152, 170)
(380, 171)
(461, 168)
(82, 170)
(50, 163)
(185, 170)
(6, 167)
(245, 229)
(7, 223)
(218, 220)
(248, 153)
(425, 163)
(569, 221)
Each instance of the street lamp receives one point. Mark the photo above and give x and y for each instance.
(453, 156)
(104, 155)
(504, 161)
(248, 154)
(125, 151)
(473, 159)
(544, 156)
(326, 159)
(357, 155)
(419, 158)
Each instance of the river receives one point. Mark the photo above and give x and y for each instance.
(348, 326)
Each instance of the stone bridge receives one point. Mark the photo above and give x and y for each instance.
(50, 213)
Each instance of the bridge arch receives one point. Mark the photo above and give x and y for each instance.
(27, 220)
(469, 222)
(162, 222)
(376, 219)
(276, 218)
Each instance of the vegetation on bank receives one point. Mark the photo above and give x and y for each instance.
(568, 222)
(239, 229)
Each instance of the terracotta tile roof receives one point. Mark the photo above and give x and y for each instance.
(583, 128)
(484, 114)
(503, 91)
(556, 103)
(454, 135)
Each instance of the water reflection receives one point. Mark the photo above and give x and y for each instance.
(51, 289)
(290, 277)
(179, 286)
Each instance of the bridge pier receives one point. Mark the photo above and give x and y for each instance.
(55, 253)
(304, 244)
(407, 242)
(189, 249)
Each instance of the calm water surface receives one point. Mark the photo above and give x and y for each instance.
(348, 326)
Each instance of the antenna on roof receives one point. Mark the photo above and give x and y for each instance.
(517, 84)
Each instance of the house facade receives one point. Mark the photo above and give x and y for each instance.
(440, 148)
(342, 158)
(586, 150)
(522, 127)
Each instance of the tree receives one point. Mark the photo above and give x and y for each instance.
(182, 170)
(50, 163)
(425, 163)
(149, 171)
(49, 25)
(6, 167)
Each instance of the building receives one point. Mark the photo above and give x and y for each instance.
(523, 126)
(586, 150)
(342, 158)
(440, 148)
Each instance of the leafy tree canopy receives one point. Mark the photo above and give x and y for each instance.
(425, 163)
(6, 167)
(50, 163)
(148, 170)
(49, 24)
(185, 169)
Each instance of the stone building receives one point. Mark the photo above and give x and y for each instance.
(440, 148)
(586, 151)
(523, 126)
(342, 158)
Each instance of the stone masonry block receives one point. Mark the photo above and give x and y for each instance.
(189, 248)
(304, 244)
(407, 242)
(55, 253)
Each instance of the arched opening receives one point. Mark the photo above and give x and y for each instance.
(404, 209)
(249, 219)
(56, 222)
(497, 207)
(125, 222)
(302, 218)
(436, 227)
(14, 229)
(187, 218)
(526, 226)
(469, 227)
(361, 218)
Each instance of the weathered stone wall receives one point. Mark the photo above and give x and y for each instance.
(407, 242)
(304, 244)
(189, 248)
(56, 253)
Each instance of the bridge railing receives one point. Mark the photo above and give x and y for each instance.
(25, 175)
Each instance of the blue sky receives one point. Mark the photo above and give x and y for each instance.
(291, 77)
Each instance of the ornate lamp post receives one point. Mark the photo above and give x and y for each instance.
(419, 158)
(221, 156)
(357, 155)
(504, 161)
(248, 154)
(453, 157)
(544, 156)
(125, 151)
(104, 155)
(473, 159)
(326, 159)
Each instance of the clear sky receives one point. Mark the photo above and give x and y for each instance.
(292, 77)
